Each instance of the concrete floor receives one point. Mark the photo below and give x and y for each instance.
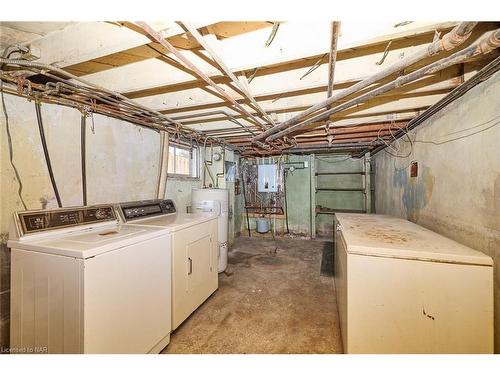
(266, 303)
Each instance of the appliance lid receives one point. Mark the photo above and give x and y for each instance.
(88, 244)
(176, 222)
(387, 236)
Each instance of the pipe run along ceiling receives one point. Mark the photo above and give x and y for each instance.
(234, 82)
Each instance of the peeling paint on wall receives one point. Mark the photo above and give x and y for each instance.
(415, 191)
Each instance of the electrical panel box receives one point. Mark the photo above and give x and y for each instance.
(268, 178)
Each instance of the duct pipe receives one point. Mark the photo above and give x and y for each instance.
(487, 43)
(449, 41)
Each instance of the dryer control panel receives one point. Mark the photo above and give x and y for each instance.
(142, 209)
(45, 220)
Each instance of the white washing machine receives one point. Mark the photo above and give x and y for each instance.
(192, 241)
(80, 283)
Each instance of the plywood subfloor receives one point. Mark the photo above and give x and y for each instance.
(266, 303)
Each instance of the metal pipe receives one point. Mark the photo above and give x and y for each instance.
(245, 202)
(333, 56)
(488, 42)
(205, 163)
(217, 175)
(228, 115)
(479, 77)
(157, 36)
(46, 153)
(64, 73)
(450, 40)
(199, 38)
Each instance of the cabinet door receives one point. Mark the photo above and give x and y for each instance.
(199, 265)
(194, 272)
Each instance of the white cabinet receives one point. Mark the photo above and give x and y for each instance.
(194, 272)
(404, 289)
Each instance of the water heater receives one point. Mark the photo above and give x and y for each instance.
(216, 201)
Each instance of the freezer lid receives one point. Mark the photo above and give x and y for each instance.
(175, 222)
(88, 244)
(387, 236)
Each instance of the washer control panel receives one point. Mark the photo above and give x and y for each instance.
(45, 220)
(142, 209)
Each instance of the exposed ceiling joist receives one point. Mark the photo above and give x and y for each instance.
(207, 47)
(143, 51)
(402, 40)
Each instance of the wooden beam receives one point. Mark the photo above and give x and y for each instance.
(207, 47)
(400, 41)
(448, 74)
(388, 97)
(156, 36)
(143, 52)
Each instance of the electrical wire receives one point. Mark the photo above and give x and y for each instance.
(332, 161)
(11, 151)
(46, 153)
(438, 143)
(274, 30)
(316, 65)
(390, 145)
(463, 136)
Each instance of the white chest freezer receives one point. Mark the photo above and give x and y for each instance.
(402, 288)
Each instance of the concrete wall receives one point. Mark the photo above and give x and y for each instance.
(298, 191)
(457, 190)
(179, 190)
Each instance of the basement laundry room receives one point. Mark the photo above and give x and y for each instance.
(203, 186)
